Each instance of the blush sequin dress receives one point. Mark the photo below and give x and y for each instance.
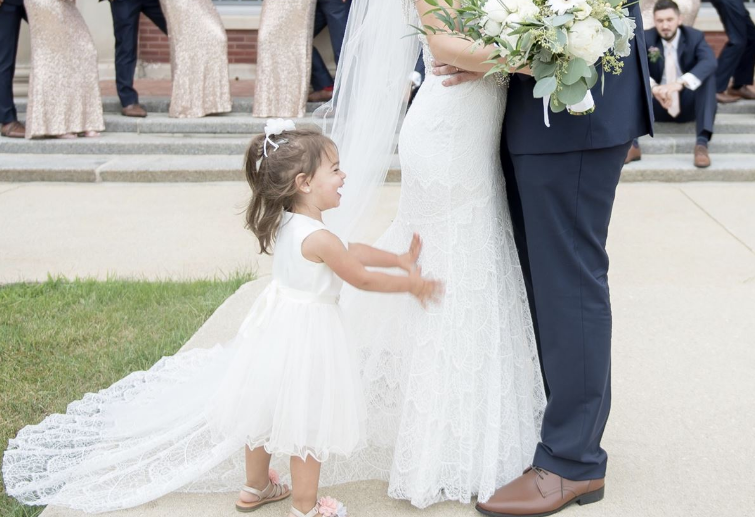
(198, 58)
(64, 88)
(284, 58)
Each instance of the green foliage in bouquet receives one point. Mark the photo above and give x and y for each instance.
(562, 41)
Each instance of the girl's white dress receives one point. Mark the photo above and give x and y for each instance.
(286, 382)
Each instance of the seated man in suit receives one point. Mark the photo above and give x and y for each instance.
(682, 77)
(11, 14)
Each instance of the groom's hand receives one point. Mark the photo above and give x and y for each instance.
(457, 75)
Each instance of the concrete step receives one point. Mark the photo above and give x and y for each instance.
(225, 124)
(726, 123)
(674, 168)
(181, 168)
(684, 144)
(738, 107)
(161, 104)
(130, 144)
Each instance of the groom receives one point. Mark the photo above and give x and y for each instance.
(561, 183)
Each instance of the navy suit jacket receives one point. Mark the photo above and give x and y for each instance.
(693, 52)
(623, 113)
(13, 2)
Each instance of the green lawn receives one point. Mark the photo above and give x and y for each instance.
(61, 339)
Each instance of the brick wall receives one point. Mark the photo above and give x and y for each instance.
(155, 48)
(717, 40)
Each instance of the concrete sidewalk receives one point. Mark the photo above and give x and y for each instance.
(683, 286)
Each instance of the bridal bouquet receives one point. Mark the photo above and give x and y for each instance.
(562, 41)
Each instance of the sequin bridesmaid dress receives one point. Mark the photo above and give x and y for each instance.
(284, 58)
(64, 87)
(198, 58)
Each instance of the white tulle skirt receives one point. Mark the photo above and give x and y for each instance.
(286, 382)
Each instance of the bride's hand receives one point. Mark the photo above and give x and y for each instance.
(457, 75)
(408, 261)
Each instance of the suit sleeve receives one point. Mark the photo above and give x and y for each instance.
(705, 61)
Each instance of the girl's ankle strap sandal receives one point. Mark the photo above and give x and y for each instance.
(326, 507)
(274, 491)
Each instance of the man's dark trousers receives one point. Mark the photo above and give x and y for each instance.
(699, 105)
(126, 27)
(11, 14)
(561, 183)
(334, 14)
(737, 59)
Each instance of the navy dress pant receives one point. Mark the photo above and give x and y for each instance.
(126, 27)
(737, 59)
(10, 26)
(334, 14)
(699, 105)
(566, 200)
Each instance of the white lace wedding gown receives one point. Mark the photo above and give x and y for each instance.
(454, 394)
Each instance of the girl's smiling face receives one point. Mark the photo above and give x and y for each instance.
(322, 190)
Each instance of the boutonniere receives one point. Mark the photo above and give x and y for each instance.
(654, 54)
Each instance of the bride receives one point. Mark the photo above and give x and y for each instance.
(454, 393)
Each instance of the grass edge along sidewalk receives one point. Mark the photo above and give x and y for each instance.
(62, 338)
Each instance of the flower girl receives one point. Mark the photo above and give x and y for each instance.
(285, 386)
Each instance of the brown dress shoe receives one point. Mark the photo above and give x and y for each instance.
(134, 110)
(321, 96)
(13, 129)
(634, 155)
(702, 159)
(537, 493)
(725, 98)
(744, 92)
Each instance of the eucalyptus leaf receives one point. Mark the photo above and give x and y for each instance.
(544, 87)
(561, 36)
(542, 70)
(558, 21)
(618, 24)
(592, 78)
(573, 93)
(556, 107)
(575, 70)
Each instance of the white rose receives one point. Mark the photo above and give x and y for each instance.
(584, 10)
(527, 9)
(496, 10)
(514, 20)
(493, 28)
(589, 40)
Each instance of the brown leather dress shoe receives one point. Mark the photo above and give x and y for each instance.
(702, 159)
(725, 98)
(537, 493)
(13, 129)
(744, 92)
(134, 110)
(634, 155)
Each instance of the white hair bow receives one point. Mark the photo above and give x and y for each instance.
(275, 127)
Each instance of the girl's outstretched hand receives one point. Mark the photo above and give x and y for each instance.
(426, 290)
(408, 261)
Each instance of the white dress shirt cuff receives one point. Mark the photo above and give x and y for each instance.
(653, 83)
(691, 82)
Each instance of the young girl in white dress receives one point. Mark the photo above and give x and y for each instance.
(285, 386)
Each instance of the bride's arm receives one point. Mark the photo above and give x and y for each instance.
(449, 49)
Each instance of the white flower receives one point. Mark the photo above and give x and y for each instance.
(584, 10)
(493, 28)
(528, 9)
(496, 10)
(589, 40)
(561, 6)
(512, 40)
(277, 126)
(514, 20)
(622, 46)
